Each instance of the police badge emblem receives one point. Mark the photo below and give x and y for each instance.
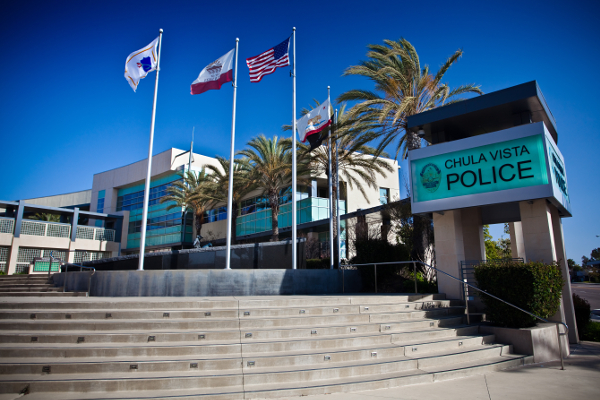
(431, 177)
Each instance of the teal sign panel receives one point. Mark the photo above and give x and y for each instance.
(512, 164)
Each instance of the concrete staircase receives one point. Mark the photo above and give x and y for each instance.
(236, 348)
(32, 285)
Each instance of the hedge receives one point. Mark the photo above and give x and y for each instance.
(388, 276)
(534, 286)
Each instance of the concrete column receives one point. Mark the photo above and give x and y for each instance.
(538, 233)
(567, 295)
(11, 265)
(517, 246)
(539, 241)
(74, 225)
(449, 250)
(19, 218)
(472, 226)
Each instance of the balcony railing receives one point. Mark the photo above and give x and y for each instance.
(7, 225)
(94, 233)
(57, 230)
(43, 228)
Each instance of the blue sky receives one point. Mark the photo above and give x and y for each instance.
(66, 111)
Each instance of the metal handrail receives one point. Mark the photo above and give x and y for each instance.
(466, 285)
(87, 294)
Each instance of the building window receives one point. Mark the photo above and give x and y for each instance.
(135, 201)
(100, 207)
(164, 221)
(217, 214)
(384, 195)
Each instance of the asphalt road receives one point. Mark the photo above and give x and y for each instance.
(590, 292)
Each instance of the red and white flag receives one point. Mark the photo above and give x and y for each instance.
(215, 74)
(313, 123)
(266, 63)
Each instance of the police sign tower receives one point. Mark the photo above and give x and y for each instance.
(493, 159)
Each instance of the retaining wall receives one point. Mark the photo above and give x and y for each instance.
(213, 282)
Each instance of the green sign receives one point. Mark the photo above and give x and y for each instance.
(499, 166)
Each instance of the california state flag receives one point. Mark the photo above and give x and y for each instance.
(312, 126)
(215, 74)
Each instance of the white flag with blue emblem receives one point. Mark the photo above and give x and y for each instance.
(140, 63)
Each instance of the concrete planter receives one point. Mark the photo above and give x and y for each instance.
(539, 341)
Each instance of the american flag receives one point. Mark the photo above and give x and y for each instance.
(265, 63)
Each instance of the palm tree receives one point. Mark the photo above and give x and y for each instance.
(402, 89)
(191, 192)
(357, 161)
(243, 184)
(270, 163)
(45, 217)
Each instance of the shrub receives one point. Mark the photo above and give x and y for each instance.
(582, 313)
(317, 263)
(388, 276)
(423, 285)
(534, 286)
(591, 332)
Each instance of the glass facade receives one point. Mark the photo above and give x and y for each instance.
(164, 227)
(309, 209)
(135, 201)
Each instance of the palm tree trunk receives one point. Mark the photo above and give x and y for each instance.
(198, 221)
(274, 201)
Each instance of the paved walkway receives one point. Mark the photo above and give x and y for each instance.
(546, 381)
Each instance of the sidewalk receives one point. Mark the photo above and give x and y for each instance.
(546, 381)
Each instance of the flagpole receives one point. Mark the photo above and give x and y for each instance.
(330, 154)
(337, 184)
(148, 174)
(231, 165)
(294, 222)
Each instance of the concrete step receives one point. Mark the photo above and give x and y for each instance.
(418, 341)
(234, 348)
(260, 384)
(249, 314)
(161, 303)
(259, 363)
(207, 322)
(43, 294)
(216, 313)
(222, 336)
(30, 288)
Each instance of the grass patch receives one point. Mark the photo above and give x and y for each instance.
(591, 332)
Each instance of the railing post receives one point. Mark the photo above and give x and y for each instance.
(66, 275)
(375, 277)
(49, 266)
(558, 335)
(415, 276)
(89, 284)
(467, 301)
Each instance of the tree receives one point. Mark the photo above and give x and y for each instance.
(492, 250)
(270, 163)
(190, 193)
(357, 161)
(45, 217)
(402, 89)
(243, 184)
(496, 249)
